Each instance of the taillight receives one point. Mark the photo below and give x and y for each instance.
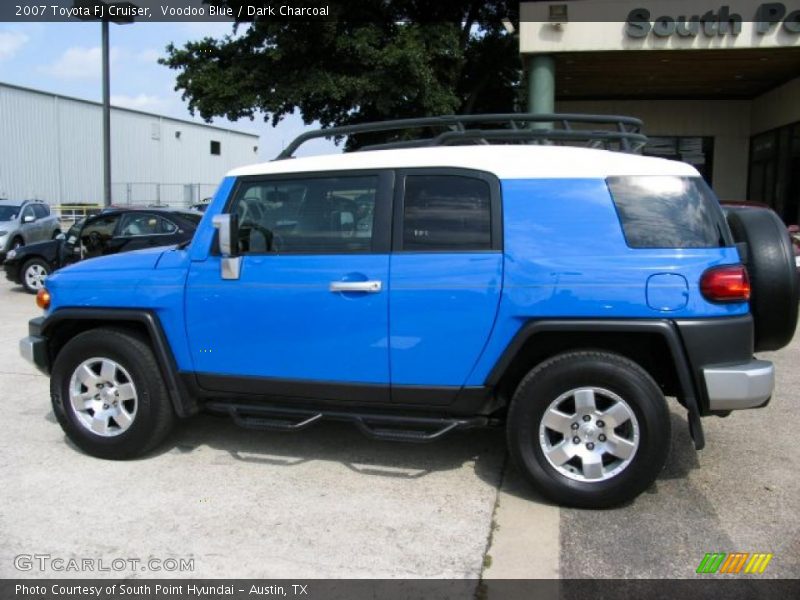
(43, 299)
(726, 284)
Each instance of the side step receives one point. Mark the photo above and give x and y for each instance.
(395, 428)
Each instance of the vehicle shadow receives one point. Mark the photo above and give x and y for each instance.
(344, 444)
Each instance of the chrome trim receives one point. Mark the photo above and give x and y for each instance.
(230, 267)
(372, 287)
(735, 387)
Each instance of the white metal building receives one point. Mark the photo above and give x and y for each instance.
(51, 149)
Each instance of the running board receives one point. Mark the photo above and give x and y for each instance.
(394, 428)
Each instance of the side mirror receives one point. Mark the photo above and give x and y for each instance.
(28, 219)
(227, 227)
(61, 236)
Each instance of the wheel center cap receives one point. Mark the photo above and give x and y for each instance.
(107, 395)
(589, 431)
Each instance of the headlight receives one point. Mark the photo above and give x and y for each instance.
(11, 254)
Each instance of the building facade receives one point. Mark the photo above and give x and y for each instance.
(717, 82)
(51, 149)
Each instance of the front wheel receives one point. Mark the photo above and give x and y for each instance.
(108, 394)
(34, 272)
(589, 429)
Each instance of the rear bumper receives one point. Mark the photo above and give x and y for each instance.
(720, 353)
(734, 387)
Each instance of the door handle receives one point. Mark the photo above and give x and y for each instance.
(372, 287)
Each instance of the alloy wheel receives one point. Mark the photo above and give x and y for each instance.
(103, 396)
(589, 434)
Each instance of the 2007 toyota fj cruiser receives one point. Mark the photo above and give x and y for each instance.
(423, 285)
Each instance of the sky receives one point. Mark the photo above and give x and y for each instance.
(65, 58)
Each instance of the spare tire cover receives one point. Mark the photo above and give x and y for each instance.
(775, 286)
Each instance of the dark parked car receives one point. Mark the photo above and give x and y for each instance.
(116, 230)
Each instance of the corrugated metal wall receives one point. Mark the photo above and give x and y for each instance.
(51, 149)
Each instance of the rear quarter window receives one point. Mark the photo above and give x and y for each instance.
(669, 212)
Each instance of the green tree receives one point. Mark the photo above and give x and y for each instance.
(374, 60)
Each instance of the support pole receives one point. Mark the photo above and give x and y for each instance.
(541, 86)
(106, 119)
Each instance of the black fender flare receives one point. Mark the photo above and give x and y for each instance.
(184, 404)
(689, 386)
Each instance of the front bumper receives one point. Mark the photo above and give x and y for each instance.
(33, 348)
(734, 387)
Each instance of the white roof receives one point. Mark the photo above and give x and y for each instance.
(505, 161)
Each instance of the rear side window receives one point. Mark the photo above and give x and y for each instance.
(669, 212)
(41, 211)
(446, 212)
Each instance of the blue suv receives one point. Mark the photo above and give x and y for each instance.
(424, 285)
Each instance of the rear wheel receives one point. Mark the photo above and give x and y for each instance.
(589, 429)
(33, 274)
(108, 394)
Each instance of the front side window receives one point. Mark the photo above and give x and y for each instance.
(41, 211)
(27, 212)
(96, 234)
(306, 215)
(446, 213)
(669, 212)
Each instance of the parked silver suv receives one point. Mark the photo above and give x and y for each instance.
(25, 222)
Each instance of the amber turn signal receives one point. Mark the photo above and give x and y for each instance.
(43, 299)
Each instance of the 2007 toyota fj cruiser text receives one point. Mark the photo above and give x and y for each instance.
(420, 286)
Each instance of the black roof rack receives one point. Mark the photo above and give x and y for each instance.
(596, 131)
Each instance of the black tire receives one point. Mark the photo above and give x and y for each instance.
(23, 273)
(154, 415)
(773, 275)
(589, 369)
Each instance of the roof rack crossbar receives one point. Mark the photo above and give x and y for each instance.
(518, 125)
(596, 139)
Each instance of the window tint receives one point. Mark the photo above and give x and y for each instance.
(28, 212)
(333, 214)
(41, 210)
(669, 212)
(446, 212)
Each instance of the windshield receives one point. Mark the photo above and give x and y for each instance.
(8, 213)
(74, 232)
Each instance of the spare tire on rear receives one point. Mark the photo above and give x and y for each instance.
(774, 280)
